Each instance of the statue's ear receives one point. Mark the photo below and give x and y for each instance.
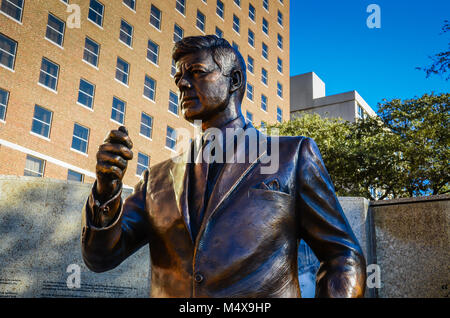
(237, 80)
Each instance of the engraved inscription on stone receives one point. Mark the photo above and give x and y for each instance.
(59, 289)
(8, 287)
(40, 222)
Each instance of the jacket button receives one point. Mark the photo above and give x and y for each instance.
(198, 278)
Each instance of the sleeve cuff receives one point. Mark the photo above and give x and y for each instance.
(99, 209)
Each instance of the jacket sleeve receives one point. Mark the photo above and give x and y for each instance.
(104, 248)
(324, 227)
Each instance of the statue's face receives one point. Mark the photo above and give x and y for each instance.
(204, 90)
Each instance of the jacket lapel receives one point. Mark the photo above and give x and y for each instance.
(231, 175)
(180, 179)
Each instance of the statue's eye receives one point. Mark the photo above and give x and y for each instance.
(197, 71)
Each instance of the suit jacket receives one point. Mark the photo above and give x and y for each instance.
(247, 243)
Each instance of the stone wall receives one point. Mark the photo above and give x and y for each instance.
(411, 244)
(40, 238)
(40, 223)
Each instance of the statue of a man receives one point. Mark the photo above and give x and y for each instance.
(222, 228)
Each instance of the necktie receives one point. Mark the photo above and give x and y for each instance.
(199, 180)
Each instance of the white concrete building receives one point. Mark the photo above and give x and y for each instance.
(307, 95)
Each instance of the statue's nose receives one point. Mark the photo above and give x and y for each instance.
(184, 83)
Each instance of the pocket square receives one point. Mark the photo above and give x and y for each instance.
(273, 185)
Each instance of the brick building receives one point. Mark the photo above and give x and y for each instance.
(72, 70)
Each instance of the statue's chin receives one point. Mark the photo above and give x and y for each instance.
(190, 115)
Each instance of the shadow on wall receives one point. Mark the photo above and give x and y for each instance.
(40, 222)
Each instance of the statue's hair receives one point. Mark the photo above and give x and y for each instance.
(226, 56)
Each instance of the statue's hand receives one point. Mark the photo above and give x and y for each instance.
(112, 161)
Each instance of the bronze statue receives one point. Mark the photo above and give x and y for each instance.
(224, 229)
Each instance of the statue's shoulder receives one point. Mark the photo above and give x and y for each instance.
(159, 174)
(291, 140)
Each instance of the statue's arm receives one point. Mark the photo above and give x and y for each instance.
(324, 227)
(111, 231)
(104, 246)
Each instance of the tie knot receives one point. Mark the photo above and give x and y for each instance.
(204, 140)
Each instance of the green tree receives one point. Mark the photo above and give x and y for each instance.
(422, 124)
(402, 153)
(361, 157)
(441, 60)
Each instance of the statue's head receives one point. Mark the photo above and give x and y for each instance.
(211, 76)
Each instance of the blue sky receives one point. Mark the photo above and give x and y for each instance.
(331, 38)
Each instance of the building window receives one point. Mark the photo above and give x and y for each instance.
(65, 1)
(279, 89)
(152, 51)
(96, 12)
(155, 17)
(146, 125)
(251, 38)
(280, 18)
(251, 12)
(178, 33)
(74, 176)
(80, 138)
(86, 93)
(235, 46)
(149, 88)
(130, 3)
(265, 26)
(249, 116)
(266, 4)
(361, 114)
(173, 68)
(13, 8)
(238, 3)
(280, 65)
(180, 5)
(142, 164)
(236, 24)
(263, 125)
(49, 74)
(201, 21)
(264, 102)
(4, 97)
(249, 91)
(91, 52)
(8, 49)
(118, 110)
(265, 51)
(173, 103)
(42, 121)
(122, 71)
(279, 114)
(250, 64)
(219, 32)
(34, 167)
(126, 33)
(55, 30)
(264, 76)
(171, 138)
(219, 8)
(280, 41)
